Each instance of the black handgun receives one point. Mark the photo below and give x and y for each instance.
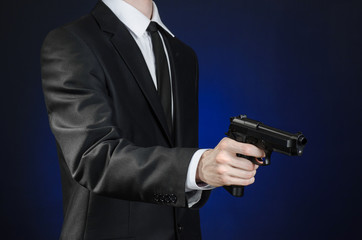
(246, 130)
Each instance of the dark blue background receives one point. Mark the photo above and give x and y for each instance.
(295, 65)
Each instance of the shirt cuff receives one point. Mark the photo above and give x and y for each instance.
(193, 197)
(191, 184)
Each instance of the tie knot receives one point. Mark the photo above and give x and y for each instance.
(153, 27)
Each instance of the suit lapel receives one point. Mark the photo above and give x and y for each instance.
(132, 56)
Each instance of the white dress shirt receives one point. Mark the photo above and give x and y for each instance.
(137, 24)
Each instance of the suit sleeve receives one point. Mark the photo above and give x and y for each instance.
(89, 141)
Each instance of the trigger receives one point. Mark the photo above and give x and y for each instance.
(257, 161)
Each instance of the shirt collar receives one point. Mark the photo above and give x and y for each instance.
(134, 19)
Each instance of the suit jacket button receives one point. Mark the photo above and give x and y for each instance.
(156, 197)
(179, 227)
(167, 198)
(173, 198)
(162, 198)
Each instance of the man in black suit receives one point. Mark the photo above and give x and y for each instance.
(127, 173)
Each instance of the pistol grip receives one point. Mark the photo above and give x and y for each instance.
(236, 191)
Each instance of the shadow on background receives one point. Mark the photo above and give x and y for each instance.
(295, 65)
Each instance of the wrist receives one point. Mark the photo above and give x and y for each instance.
(198, 177)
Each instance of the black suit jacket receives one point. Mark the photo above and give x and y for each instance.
(123, 176)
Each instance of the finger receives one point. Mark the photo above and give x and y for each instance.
(242, 163)
(249, 150)
(243, 148)
(238, 181)
(240, 173)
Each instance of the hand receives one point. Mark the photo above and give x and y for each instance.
(221, 167)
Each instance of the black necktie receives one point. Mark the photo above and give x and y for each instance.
(162, 72)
